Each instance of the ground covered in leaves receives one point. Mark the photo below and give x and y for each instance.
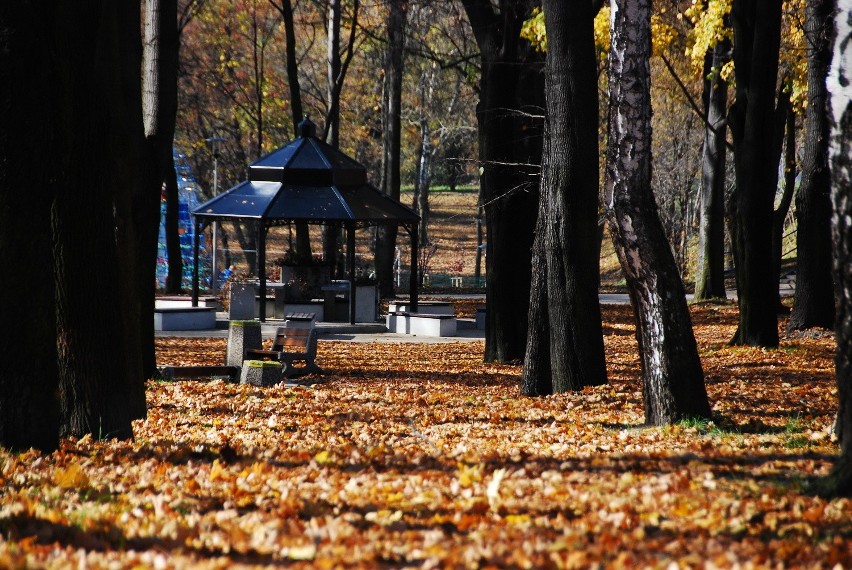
(423, 456)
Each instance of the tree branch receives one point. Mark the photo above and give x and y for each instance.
(692, 102)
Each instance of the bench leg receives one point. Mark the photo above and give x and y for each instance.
(290, 371)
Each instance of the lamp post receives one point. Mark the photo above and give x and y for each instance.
(215, 143)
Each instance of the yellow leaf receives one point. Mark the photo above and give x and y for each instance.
(216, 471)
(323, 457)
(518, 519)
(304, 552)
(71, 477)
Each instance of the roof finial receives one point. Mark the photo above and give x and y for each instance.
(307, 128)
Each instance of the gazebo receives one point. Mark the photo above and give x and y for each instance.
(307, 181)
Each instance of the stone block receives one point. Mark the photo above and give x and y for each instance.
(261, 373)
(242, 336)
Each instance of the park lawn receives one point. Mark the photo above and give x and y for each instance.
(421, 455)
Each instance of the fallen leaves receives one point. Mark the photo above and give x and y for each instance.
(416, 455)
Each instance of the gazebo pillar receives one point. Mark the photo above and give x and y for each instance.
(350, 261)
(261, 268)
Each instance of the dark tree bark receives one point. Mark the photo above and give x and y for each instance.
(710, 274)
(839, 481)
(672, 379)
(813, 302)
(511, 89)
(757, 33)
(391, 140)
(101, 151)
(779, 215)
(332, 120)
(29, 375)
(337, 67)
(564, 306)
(537, 379)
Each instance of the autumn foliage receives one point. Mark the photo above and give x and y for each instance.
(421, 455)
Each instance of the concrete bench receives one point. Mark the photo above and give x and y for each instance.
(423, 324)
(428, 307)
(168, 301)
(184, 318)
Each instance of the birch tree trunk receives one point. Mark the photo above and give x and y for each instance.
(839, 481)
(672, 378)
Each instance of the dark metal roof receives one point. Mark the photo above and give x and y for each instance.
(306, 180)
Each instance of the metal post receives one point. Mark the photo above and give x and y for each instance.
(414, 280)
(214, 143)
(350, 260)
(196, 246)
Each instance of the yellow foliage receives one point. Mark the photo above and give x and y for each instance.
(662, 34)
(533, 30)
(602, 30)
(708, 19)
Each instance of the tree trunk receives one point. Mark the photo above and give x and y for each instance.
(710, 274)
(331, 232)
(29, 376)
(511, 84)
(839, 481)
(673, 383)
(779, 216)
(757, 32)
(332, 126)
(424, 181)
(568, 212)
(537, 379)
(285, 8)
(391, 140)
(101, 144)
(159, 89)
(813, 302)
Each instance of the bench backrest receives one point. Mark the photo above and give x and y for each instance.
(288, 339)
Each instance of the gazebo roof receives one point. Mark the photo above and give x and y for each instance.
(306, 180)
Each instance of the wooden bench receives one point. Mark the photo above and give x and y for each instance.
(193, 372)
(291, 345)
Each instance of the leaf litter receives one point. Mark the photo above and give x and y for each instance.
(417, 455)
